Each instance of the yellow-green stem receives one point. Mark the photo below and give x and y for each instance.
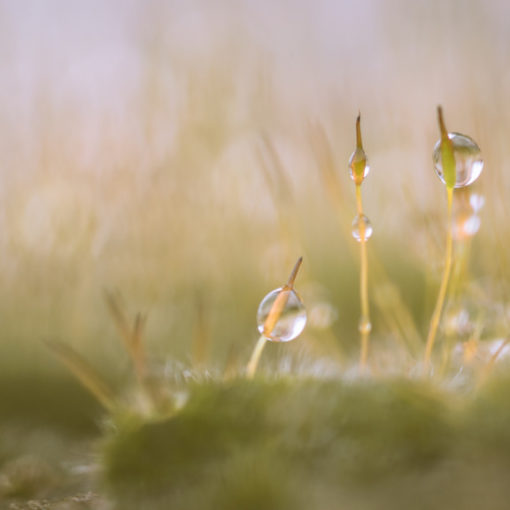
(255, 357)
(436, 316)
(364, 325)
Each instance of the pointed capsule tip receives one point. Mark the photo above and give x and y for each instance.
(440, 119)
(359, 142)
(292, 277)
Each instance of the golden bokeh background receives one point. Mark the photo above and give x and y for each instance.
(185, 153)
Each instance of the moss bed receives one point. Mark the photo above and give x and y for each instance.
(304, 443)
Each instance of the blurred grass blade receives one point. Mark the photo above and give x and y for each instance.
(201, 333)
(131, 337)
(84, 372)
(280, 191)
(119, 318)
(138, 350)
(274, 171)
(325, 160)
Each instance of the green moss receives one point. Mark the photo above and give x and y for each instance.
(56, 401)
(487, 420)
(216, 420)
(251, 444)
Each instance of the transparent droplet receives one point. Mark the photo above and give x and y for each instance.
(361, 228)
(291, 315)
(476, 201)
(358, 166)
(364, 326)
(468, 159)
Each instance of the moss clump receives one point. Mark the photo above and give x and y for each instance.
(257, 444)
(38, 399)
(486, 421)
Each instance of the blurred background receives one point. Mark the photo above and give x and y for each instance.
(183, 154)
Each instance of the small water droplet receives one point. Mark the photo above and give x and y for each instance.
(466, 227)
(292, 319)
(361, 228)
(468, 160)
(364, 326)
(476, 201)
(358, 166)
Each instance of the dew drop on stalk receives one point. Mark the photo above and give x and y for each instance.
(292, 319)
(358, 165)
(361, 228)
(468, 159)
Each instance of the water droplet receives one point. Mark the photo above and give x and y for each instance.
(291, 320)
(364, 326)
(466, 227)
(476, 201)
(468, 160)
(358, 166)
(361, 228)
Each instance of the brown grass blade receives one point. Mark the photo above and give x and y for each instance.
(84, 372)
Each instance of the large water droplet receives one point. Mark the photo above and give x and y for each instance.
(468, 160)
(361, 228)
(292, 317)
(358, 166)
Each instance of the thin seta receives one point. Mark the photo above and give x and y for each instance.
(361, 231)
(458, 164)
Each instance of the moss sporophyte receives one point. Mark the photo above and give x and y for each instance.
(458, 164)
(281, 317)
(361, 231)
